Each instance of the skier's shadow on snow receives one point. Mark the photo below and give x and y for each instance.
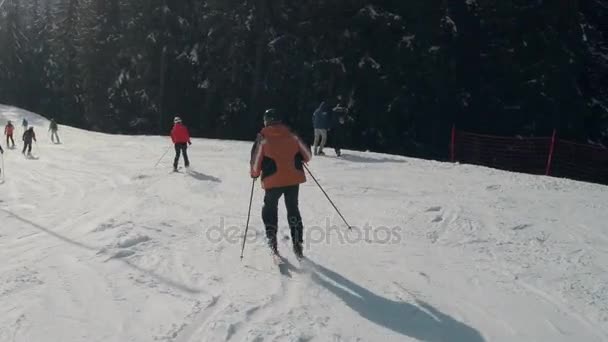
(161, 278)
(422, 321)
(362, 159)
(203, 177)
(287, 268)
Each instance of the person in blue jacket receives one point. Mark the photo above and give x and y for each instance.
(321, 121)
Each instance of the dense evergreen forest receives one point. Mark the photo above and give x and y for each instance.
(406, 70)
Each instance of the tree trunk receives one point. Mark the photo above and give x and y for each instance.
(260, 28)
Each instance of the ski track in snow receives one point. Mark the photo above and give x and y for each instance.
(99, 245)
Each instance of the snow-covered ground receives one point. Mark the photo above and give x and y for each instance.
(96, 244)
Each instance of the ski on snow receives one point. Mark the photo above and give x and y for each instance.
(180, 170)
(285, 267)
(283, 264)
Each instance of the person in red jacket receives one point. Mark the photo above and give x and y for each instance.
(278, 156)
(9, 129)
(181, 140)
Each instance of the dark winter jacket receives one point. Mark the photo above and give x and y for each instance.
(28, 136)
(321, 118)
(340, 130)
(53, 126)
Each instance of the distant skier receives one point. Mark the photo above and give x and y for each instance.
(28, 137)
(53, 128)
(339, 128)
(181, 140)
(9, 130)
(339, 134)
(278, 156)
(25, 124)
(321, 122)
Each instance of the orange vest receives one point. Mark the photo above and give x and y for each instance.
(278, 156)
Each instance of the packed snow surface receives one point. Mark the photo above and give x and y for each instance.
(97, 244)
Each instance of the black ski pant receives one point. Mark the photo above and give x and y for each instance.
(270, 214)
(27, 146)
(55, 136)
(338, 141)
(10, 137)
(181, 149)
(338, 146)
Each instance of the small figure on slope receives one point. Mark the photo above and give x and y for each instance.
(278, 156)
(53, 128)
(340, 126)
(28, 137)
(181, 140)
(9, 129)
(25, 124)
(321, 123)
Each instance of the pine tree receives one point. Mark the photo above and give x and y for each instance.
(12, 59)
(101, 35)
(66, 46)
(37, 56)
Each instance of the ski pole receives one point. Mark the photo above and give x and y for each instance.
(3, 169)
(248, 217)
(326, 195)
(163, 156)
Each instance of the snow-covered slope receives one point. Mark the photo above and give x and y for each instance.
(96, 244)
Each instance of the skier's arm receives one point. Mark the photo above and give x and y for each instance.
(173, 135)
(257, 155)
(304, 149)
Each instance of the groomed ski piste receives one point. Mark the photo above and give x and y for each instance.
(97, 244)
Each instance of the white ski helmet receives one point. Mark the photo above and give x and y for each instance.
(177, 119)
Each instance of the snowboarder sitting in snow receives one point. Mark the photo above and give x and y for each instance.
(181, 139)
(278, 156)
(9, 129)
(53, 128)
(28, 136)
